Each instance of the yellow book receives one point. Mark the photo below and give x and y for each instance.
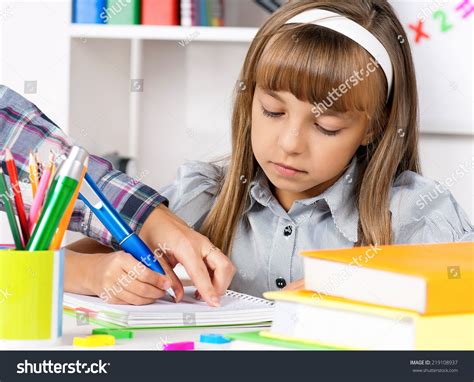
(426, 278)
(343, 323)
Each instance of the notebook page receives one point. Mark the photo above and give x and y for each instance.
(231, 303)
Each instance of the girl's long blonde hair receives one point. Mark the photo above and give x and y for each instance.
(309, 61)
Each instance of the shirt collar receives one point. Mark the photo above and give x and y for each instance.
(340, 199)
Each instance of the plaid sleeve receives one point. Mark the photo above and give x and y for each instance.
(23, 127)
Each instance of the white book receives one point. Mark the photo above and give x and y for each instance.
(236, 309)
(186, 13)
(342, 323)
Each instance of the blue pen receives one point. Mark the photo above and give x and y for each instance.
(121, 231)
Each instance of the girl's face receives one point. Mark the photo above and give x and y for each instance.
(300, 154)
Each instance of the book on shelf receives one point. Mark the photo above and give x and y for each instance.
(202, 13)
(89, 11)
(160, 12)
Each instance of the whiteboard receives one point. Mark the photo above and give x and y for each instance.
(444, 63)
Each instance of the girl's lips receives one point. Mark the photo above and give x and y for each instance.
(286, 170)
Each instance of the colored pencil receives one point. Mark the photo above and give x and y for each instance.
(40, 195)
(39, 165)
(34, 179)
(53, 168)
(58, 198)
(5, 198)
(64, 223)
(20, 207)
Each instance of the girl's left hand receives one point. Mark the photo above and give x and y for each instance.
(295, 285)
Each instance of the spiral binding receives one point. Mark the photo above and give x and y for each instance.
(246, 297)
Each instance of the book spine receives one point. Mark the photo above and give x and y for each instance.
(217, 13)
(186, 13)
(209, 12)
(195, 12)
(164, 12)
(89, 11)
(203, 13)
(119, 12)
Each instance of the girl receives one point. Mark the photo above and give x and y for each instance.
(324, 149)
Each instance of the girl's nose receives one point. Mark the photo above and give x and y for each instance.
(291, 139)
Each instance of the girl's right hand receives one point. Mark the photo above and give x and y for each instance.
(117, 278)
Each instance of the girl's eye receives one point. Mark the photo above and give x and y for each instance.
(331, 133)
(270, 114)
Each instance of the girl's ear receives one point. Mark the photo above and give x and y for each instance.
(369, 134)
(368, 137)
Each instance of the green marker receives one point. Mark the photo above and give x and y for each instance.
(117, 333)
(59, 196)
(77, 153)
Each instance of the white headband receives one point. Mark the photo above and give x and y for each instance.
(354, 31)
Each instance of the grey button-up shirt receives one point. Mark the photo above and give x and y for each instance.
(268, 240)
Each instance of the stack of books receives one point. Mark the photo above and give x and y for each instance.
(149, 12)
(399, 297)
(406, 297)
(202, 13)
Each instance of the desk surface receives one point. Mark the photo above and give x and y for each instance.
(148, 339)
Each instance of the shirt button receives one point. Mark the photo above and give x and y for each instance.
(280, 282)
(288, 230)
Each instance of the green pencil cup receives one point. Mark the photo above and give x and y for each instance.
(31, 298)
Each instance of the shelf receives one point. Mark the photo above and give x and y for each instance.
(166, 33)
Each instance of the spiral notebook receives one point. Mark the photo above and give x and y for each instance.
(236, 309)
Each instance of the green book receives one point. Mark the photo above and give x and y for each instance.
(122, 12)
(255, 337)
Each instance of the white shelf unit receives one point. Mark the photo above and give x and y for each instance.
(183, 110)
(163, 33)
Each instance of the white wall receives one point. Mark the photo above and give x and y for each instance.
(445, 157)
(34, 46)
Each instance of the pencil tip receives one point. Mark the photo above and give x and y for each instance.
(8, 154)
(171, 293)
